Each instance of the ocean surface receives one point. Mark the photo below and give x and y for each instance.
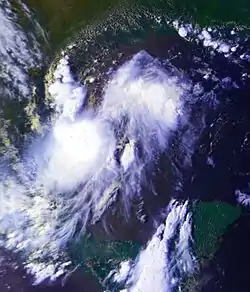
(124, 141)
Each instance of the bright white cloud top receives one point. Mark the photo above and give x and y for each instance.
(89, 159)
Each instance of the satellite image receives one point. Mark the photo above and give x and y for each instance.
(124, 146)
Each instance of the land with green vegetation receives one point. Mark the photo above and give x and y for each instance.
(61, 19)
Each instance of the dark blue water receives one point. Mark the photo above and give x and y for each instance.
(14, 278)
(225, 106)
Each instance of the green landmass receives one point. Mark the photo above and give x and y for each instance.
(210, 222)
(99, 257)
(61, 19)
